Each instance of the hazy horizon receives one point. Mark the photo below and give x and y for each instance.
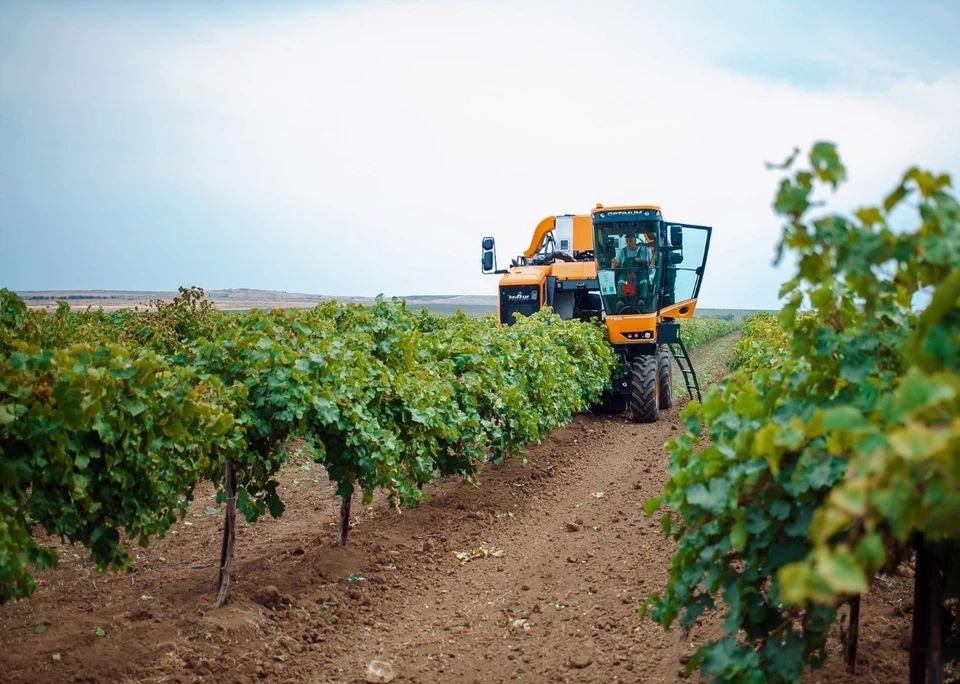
(243, 299)
(346, 149)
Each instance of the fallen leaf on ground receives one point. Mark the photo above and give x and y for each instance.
(483, 551)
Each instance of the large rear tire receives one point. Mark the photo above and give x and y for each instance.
(665, 379)
(645, 390)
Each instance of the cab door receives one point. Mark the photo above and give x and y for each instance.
(685, 259)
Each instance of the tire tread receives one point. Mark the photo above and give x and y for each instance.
(644, 399)
(665, 378)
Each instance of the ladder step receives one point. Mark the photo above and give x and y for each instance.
(689, 375)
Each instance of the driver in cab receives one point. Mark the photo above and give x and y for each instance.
(633, 255)
(633, 287)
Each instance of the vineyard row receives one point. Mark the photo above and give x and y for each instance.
(834, 445)
(109, 421)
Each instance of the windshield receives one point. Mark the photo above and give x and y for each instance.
(627, 267)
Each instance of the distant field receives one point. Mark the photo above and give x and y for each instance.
(735, 313)
(448, 309)
(241, 299)
(245, 299)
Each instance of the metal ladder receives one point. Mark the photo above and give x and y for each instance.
(689, 375)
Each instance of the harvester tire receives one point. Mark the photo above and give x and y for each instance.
(665, 379)
(645, 390)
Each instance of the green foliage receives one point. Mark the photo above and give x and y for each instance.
(834, 443)
(16, 320)
(109, 420)
(93, 442)
(697, 332)
(172, 325)
(763, 344)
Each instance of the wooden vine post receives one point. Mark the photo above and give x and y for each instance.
(229, 531)
(854, 636)
(345, 517)
(926, 655)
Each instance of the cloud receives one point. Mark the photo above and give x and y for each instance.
(377, 143)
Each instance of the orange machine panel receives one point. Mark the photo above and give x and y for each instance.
(576, 270)
(628, 207)
(524, 275)
(682, 309)
(582, 233)
(640, 328)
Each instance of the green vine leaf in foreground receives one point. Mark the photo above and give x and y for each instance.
(834, 444)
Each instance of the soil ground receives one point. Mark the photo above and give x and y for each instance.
(555, 559)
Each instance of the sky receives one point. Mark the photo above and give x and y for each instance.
(353, 148)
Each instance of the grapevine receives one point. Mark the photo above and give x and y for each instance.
(697, 332)
(834, 445)
(109, 421)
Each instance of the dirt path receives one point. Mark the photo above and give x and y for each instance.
(708, 362)
(578, 559)
(560, 604)
(569, 558)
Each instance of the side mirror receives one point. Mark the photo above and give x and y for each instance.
(488, 261)
(676, 236)
(676, 258)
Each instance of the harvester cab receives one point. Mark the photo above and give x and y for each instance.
(649, 273)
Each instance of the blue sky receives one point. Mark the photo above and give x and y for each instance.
(355, 148)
